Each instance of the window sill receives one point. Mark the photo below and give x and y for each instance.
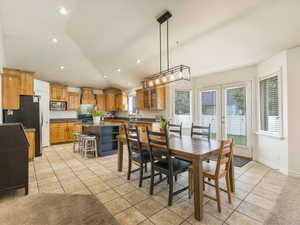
(275, 136)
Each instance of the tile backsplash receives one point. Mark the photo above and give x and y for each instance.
(63, 114)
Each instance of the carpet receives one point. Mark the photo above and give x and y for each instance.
(237, 160)
(56, 209)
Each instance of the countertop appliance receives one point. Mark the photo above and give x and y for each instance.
(29, 116)
(58, 106)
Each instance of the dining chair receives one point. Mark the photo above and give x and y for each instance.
(136, 154)
(216, 173)
(163, 163)
(201, 130)
(175, 128)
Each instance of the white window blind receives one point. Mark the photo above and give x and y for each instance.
(270, 120)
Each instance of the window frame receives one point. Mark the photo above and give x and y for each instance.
(279, 134)
(129, 110)
(174, 100)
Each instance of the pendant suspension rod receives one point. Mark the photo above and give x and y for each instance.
(160, 66)
(168, 44)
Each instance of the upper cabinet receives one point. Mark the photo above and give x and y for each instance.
(26, 79)
(58, 93)
(110, 99)
(151, 99)
(88, 96)
(100, 100)
(73, 101)
(15, 83)
(122, 102)
(10, 89)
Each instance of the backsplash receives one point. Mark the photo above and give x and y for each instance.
(143, 114)
(63, 114)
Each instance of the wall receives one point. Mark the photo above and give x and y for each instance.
(273, 151)
(2, 63)
(293, 93)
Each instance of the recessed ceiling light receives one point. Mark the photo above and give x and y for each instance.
(62, 67)
(119, 70)
(105, 76)
(54, 40)
(138, 61)
(63, 11)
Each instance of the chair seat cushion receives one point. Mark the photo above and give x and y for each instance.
(145, 156)
(178, 165)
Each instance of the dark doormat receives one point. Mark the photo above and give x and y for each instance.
(238, 161)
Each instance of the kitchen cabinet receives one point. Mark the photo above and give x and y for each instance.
(100, 100)
(140, 99)
(88, 96)
(58, 92)
(10, 89)
(31, 140)
(61, 132)
(122, 102)
(151, 99)
(73, 101)
(110, 98)
(26, 83)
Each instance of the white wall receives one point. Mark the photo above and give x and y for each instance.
(270, 150)
(293, 93)
(2, 63)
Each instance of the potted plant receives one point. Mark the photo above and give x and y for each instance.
(163, 124)
(98, 116)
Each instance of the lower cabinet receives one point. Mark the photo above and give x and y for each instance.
(31, 139)
(63, 132)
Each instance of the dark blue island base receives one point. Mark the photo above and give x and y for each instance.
(106, 134)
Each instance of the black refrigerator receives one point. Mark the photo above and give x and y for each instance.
(29, 116)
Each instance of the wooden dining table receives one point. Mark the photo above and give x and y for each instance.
(195, 150)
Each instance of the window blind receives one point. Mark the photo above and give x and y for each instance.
(269, 105)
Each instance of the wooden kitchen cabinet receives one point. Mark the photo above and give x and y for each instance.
(73, 101)
(100, 100)
(31, 139)
(122, 102)
(151, 99)
(110, 98)
(62, 132)
(26, 83)
(58, 92)
(88, 96)
(140, 99)
(10, 90)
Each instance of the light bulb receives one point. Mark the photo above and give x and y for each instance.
(164, 79)
(157, 81)
(150, 83)
(172, 77)
(180, 74)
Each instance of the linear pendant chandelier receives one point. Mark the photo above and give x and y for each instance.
(176, 73)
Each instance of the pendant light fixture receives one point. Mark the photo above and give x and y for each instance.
(176, 73)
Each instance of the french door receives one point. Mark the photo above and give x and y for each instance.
(228, 109)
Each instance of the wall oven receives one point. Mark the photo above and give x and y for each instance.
(58, 106)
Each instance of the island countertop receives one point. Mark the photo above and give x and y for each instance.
(102, 124)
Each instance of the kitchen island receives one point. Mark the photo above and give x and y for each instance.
(106, 133)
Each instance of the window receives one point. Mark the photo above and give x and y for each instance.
(208, 100)
(132, 104)
(270, 120)
(182, 102)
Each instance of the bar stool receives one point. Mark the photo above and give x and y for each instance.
(89, 145)
(76, 142)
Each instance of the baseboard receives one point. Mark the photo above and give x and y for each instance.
(294, 173)
(267, 163)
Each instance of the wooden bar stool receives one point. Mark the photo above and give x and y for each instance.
(76, 142)
(221, 170)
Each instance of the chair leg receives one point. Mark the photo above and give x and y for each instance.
(170, 178)
(228, 187)
(146, 167)
(141, 175)
(190, 178)
(160, 176)
(176, 178)
(129, 169)
(218, 195)
(152, 180)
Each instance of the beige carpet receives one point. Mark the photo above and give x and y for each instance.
(287, 207)
(55, 209)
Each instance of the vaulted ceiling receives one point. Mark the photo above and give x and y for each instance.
(97, 37)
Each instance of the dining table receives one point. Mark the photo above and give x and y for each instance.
(192, 149)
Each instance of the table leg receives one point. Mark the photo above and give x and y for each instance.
(231, 174)
(120, 155)
(198, 189)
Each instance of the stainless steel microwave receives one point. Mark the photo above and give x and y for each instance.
(58, 106)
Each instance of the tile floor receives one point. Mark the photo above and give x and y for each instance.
(60, 170)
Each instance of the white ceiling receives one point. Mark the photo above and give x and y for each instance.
(99, 36)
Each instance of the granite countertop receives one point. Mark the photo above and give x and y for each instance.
(29, 129)
(138, 120)
(102, 124)
(64, 120)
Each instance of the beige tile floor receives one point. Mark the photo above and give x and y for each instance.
(60, 170)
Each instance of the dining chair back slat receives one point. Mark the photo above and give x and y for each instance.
(201, 130)
(175, 128)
